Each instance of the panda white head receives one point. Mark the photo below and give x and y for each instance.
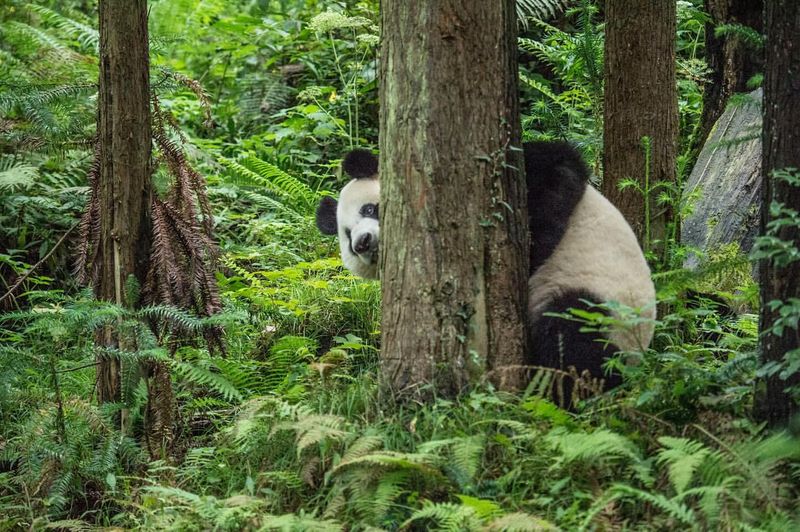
(355, 216)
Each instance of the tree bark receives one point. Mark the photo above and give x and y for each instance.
(124, 137)
(640, 101)
(453, 198)
(781, 149)
(730, 60)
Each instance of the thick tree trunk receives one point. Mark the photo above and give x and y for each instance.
(124, 136)
(730, 60)
(781, 145)
(640, 101)
(454, 235)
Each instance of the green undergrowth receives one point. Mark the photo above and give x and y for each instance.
(287, 427)
(289, 430)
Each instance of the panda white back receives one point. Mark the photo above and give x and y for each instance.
(583, 253)
(599, 255)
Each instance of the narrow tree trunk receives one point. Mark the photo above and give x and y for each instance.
(124, 136)
(781, 141)
(453, 205)
(731, 61)
(640, 101)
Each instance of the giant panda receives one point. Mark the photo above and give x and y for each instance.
(582, 252)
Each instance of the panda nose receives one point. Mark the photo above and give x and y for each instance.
(362, 244)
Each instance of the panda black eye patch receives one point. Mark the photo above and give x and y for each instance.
(369, 210)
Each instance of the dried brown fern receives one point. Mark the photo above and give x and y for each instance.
(183, 253)
(89, 228)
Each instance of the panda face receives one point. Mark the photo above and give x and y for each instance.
(357, 225)
(354, 218)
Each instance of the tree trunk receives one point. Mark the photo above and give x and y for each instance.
(454, 232)
(124, 136)
(731, 61)
(640, 101)
(781, 145)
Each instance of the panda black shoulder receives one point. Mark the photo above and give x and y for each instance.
(554, 162)
(557, 178)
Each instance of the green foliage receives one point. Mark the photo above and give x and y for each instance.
(562, 89)
(779, 248)
(539, 9)
(573, 108)
(745, 34)
(289, 430)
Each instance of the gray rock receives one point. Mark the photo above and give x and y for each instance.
(724, 188)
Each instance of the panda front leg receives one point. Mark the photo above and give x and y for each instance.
(558, 342)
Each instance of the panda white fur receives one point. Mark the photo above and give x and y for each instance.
(582, 249)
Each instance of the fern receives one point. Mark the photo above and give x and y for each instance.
(31, 97)
(542, 9)
(424, 463)
(292, 522)
(88, 36)
(444, 517)
(292, 192)
(44, 39)
(314, 429)
(175, 318)
(209, 377)
(671, 507)
(598, 445)
(465, 454)
(746, 34)
(17, 177)
(683, 457)
(519, 522)
(362, 446)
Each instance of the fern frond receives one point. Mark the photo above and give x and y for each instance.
(448, 517)
(295, 189)
(683, 457)
(207, 377)
(746, 34)
(424, 463)
(362, 446)
(88, 36)
(542, 9)
(175, 318)
(313, 429)
(600, 444)
(299, 522)
(520, 522)
(45, 40)
(671, 507)
(19, 177)
(465, 454)
(252, 170)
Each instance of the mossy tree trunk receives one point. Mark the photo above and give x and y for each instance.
(453, 206)
(732, 62)
(640, 101)
(781, 149)
(124, 137)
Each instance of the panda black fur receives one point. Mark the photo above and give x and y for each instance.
(582, 249)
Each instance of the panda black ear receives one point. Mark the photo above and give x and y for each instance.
(326, 216)
(360, 163)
